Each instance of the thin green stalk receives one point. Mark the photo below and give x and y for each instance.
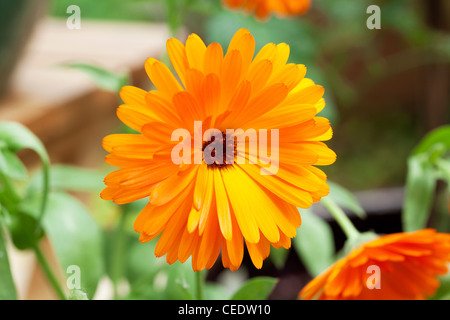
(172, 17)
(199, 288)
(117, 268)
(341, 218)
(48, 272)
(8, 195)
(45, 193)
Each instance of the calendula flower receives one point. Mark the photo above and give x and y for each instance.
(263, 8)
(205, 204)
(401, 266)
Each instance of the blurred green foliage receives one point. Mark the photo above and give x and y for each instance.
(428, 163)
(136, 10)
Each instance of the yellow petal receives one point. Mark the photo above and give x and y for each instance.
(326, 156)
(194, 218)
(223, 207)
(195, 52)
(282, 56)
(280, 188)
(200, 186)
(258, 74)
(316, 129)
(244, 42)
(258, 203)
(240, 204)
(283, 116)
(290, 75)
(320, 105)
(309, 95)
(268, 52)
(208, 201)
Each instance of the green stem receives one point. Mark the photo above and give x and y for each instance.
(172, 17)
(341, 218)
(8, 196)
(117, 268)
(199, 285)
(45, 193)
(48, 272)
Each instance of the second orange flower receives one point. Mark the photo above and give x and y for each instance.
(263, 8)
(408, 265)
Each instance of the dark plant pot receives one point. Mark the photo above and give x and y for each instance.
(18, 18)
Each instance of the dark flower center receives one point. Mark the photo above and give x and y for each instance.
(225, 150)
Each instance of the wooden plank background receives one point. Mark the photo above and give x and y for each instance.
(66, 109)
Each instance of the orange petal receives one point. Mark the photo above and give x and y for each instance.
(162, 77)
(223, 206)
(195, 52)
(213, 59)
(172, 186)
(177, 55)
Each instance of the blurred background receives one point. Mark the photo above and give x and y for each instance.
(385, 89)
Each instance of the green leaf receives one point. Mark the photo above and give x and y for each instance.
(142, 264)
(7, 288)
(419, 193)
(11, 166)
(15, 137)
(173, 15)
(257, 288)
(181, 282)
(214, 291)
(314, 243)
(78, 295)
(105, 79)
(24, 229)
(70, 178)
(443, 166)
(439, 135)
(75, 237)
(153, 279)
(443, 293)
(345, 199)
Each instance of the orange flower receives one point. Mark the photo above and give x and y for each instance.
(262, 8)
(408, 266)
(207, 208)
